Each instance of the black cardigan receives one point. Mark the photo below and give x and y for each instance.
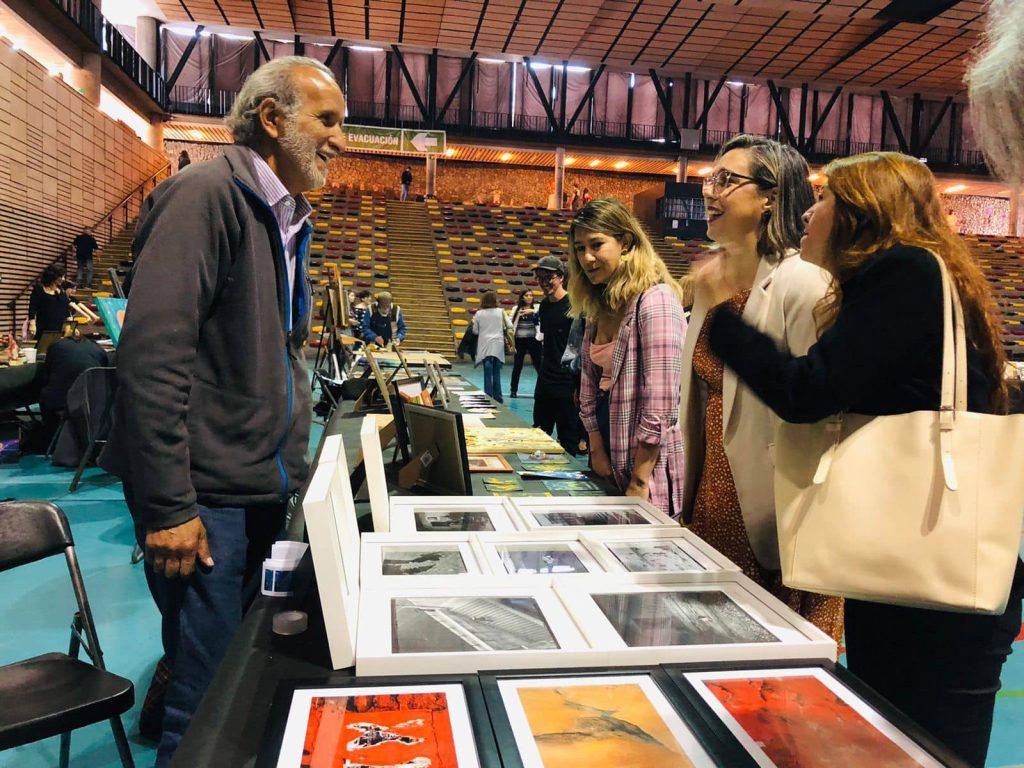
(883, 354)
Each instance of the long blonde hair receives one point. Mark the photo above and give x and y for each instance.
(885, 199)
(640, 268)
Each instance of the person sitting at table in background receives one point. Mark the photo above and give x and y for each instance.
(384, 324)
(490, 323)
(524, 320)
(631, 355)
(49, 306)
(65, 360)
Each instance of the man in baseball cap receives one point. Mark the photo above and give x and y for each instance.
(553, 404)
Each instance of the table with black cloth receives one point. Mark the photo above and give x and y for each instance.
(20, 385)
(229, 726)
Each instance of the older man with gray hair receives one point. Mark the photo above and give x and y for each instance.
(213, 412)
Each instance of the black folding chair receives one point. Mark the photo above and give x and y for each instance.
(56, 693)
(90, 408)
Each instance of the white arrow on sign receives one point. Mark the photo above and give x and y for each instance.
(424, 142)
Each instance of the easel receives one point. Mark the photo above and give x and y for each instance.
(437, 380)
(366, 398)
(328, 369)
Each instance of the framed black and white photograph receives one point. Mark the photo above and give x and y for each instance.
(398, 557)
(449, 514)
(805, 713)
(710, 621)
(543, 513)
(657, 555)
(537, 553)
(456, 629)
(618, 718)
(434, 721)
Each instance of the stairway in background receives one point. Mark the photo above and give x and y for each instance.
(678, 265)
(415, 280)
(117, 254)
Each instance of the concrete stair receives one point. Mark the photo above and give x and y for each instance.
(415, 280)
(117, 253)
(678, 265)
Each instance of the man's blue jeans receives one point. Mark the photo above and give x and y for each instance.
(492, 377)
(200, 615)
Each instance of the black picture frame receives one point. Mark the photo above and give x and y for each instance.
(277, 720)
(398, 413)
(440, 431)
(724, 754)
(716, 729)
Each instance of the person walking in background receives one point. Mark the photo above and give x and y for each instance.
(524, 320)
(553, 404)
(212, 413)
(631, 356)
(406, 183)
(754, 196)
(183, 160)
(490, 324)
(49, 306)
(85, 246)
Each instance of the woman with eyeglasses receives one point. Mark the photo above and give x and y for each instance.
(754, 197)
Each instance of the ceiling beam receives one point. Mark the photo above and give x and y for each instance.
(185, 57)
(787, 128)
(262, 46)
(889, 112)
(666, 105)
(410, 82)
(588, 96)
(817, 126)
(467, 67)
(540, 93)
(710, 103)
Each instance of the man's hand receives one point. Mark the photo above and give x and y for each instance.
(172, 552)
(379, 341)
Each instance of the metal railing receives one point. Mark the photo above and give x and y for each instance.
(112, 43)
(119, 215)
(189, 100)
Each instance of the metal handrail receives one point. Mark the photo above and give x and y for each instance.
(139, 193)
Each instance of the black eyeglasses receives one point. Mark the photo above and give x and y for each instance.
(725, 178)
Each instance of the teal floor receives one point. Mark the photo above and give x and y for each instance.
(36, 605)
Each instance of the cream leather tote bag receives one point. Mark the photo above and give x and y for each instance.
(920, 509)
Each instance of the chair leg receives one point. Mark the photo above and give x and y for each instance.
(53, 441)
(65, 749)
(123, 750)
(81, 467)
(137, 555)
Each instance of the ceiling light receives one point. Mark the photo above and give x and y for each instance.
(367, 48)
(569, 160)
(539, 65)
(505, 156)
(814, 177)
(54, 70)
(705, 170)
(450, 152)
(572, 68)
(734, 82)
(594, 163)
(621, 164)
(195, 133)
(954, 188)
(492, 61)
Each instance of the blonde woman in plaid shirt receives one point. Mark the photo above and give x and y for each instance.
(632, 353)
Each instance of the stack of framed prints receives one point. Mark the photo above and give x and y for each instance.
(535, 513)
(449, 513)
(457, 629)
(730, 619)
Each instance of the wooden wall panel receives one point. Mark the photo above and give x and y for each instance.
(63, 165)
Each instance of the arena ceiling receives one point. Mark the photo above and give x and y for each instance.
(911, 45)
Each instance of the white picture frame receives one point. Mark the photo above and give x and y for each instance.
(397, 626)
(619, 552)
(294, 738)
(734, 606)
(699, 680)
(376, 481)
(339, 593)
(497, 552)
(543, 512)
(604, 686)
(382, 556)
(411, 514)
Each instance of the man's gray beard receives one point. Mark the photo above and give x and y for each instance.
(302, 151)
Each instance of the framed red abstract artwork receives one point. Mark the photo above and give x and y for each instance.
(807, 717)
(364, 724)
